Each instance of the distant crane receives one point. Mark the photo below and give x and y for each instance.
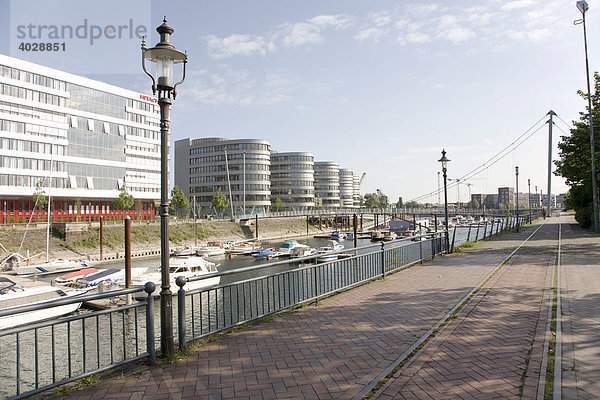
(360, 182)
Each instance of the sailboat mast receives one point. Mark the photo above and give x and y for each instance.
(49, 203)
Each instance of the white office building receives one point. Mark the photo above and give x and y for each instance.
(79, 139)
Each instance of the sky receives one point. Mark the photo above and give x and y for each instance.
(379, 86)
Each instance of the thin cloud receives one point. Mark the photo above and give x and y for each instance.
(518, 4)
(234, 45)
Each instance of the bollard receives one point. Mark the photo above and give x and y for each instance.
(181, 281)
(149, 288)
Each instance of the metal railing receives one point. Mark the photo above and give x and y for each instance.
(45, 355)
(285, 284)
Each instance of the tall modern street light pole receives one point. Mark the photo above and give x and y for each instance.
(529, 197)
(165, 55)
(517, 194)
(444, 162)
(583, 7)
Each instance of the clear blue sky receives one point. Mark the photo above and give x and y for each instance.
(380, 86)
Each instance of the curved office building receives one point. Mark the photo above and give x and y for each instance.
(202, 166)
(356, 191)
(346, 188)
(327, 184)
(292, 178)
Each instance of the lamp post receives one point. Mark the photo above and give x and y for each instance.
(165, 55)
(517, 195)
(444, 160)
(583, 7)
(529, 197)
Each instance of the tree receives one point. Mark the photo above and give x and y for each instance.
(219, 201)
(179, 203)
(400, 203)
(383, 199)
(277, 204)
(575, 159)
(125, 200)
(412, 204)
(507, 209)
(39, 196)
(372, 200)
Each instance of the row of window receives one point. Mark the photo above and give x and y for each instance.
(29, 181)
(285, 167)
(283, 175)
(223, 178)
(30, 164)
(32, 129)
(288, 184)
(32, 112)
(234, 167)
(236, 198)
(332, 174)
(29, 146)
(230, 157)
(231, 147)
(33, 78)
(31, 95)
(282, 158)
(250, 187)
(283, 192)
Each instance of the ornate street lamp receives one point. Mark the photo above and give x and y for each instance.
(444, 162)
(582, 6)
(165, 55)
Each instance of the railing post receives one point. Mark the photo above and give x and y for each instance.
(469, 233)
(421, 250)
(149, 288)
(433, 246)
(453, 237)
(484, 229)
(382, 260)
(477, 234)
(181, 281)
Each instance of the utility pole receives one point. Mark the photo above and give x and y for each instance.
(549, 191)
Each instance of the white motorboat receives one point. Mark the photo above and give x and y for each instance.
(290, 244)
(53, 267)
(188, 267)
(75, 275)
(299, 252)
(327, 253)
(209, 250)
(388, 236)
(13, 295)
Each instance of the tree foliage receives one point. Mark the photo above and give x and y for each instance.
(39, 195)
(575, 159)
(376, 200)
(179, 204)
(277, 204)
(219, 201)
(412, 204)
(125, 200)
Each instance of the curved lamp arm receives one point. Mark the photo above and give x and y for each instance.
(144, 67)
(182, 79)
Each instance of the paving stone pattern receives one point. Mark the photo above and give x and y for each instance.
(494, 348)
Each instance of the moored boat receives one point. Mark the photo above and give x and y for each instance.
(14, 295)
(290, 244)
(52, 267)
(337, 235)
(329, 252)
(377, 235)
(73, 276)
(389, 236)
(264, 253)
(188, 267)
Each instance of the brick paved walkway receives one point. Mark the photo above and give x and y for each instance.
(581, 314)
(494, 348)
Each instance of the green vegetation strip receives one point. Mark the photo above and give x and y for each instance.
(412, 351)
